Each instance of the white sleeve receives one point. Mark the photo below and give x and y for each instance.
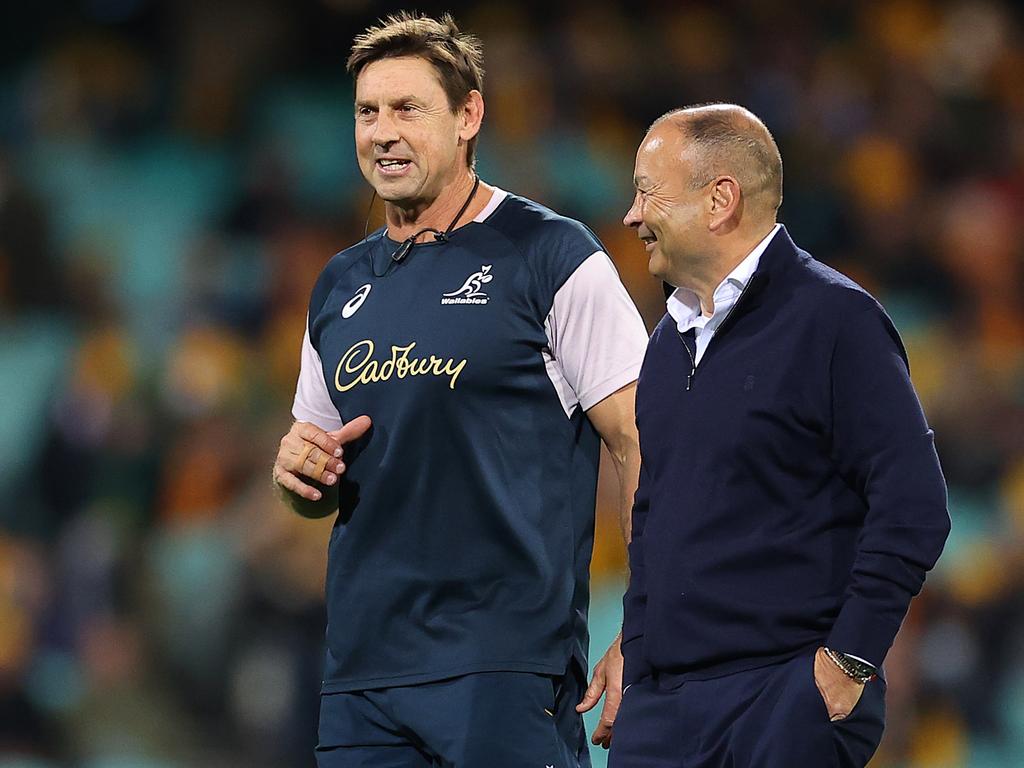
(312, 400)
(595, 333)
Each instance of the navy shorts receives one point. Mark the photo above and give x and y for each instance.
(771, 717)
(482, 720)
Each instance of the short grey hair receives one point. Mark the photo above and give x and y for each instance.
(729, 139)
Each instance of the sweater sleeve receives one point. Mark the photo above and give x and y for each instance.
(885, 451)
(634, 602)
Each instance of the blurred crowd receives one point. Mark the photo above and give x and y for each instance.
(174, 174)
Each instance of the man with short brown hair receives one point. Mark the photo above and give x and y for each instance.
(460, 369)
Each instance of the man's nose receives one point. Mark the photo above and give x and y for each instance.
(385, 131)
(633, 217)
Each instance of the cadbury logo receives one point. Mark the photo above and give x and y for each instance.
(357, 366)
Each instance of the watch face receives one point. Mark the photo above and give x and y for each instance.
(856, 669)
(856, 664)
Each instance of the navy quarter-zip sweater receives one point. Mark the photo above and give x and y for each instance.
(792, 497)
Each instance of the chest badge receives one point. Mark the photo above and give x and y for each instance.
(471, 291)
(353, 304)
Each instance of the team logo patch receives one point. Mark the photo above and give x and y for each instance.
(353, 304)
(470, 292)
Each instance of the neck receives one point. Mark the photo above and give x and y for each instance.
(703, 283)
(703, 279)
(404, 218)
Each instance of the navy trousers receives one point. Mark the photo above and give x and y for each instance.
(771, 717)
(483, 720)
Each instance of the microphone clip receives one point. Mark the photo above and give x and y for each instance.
(403, 250)
(441, 237)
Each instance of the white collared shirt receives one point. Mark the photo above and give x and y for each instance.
(684, 306)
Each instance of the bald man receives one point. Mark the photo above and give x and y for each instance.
(790, 498)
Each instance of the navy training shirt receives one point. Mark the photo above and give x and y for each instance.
(465, 530)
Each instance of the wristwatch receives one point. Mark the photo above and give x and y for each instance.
(855, 669)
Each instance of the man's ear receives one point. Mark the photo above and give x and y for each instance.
(725, 201)
(472, 115)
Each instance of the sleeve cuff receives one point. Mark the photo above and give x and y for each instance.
(325, 422)
(859, 633)
(611, 385)
(634, 667)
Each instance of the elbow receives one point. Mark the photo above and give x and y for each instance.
(933, 536)
(945, 527)
(623, 447)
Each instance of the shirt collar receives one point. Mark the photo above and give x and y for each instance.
(684, 306)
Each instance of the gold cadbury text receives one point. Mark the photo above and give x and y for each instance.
(360, 368)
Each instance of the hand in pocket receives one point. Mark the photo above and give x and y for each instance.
(839, 692)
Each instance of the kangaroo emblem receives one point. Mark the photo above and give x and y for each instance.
(471, 289)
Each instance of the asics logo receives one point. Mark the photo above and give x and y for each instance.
(353, 304)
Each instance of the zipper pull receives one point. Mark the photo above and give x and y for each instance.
(689, 379)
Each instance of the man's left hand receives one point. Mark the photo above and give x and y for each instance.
(608, 680)
(840, 692)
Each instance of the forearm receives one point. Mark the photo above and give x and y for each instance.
(883, 449)
(889, 570)
(615, 421)
(627, 471)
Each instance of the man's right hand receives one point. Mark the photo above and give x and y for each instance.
(310, 453)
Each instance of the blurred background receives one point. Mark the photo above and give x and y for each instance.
(173, 176)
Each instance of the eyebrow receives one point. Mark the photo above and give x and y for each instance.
(641, 179)
(400, 100)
